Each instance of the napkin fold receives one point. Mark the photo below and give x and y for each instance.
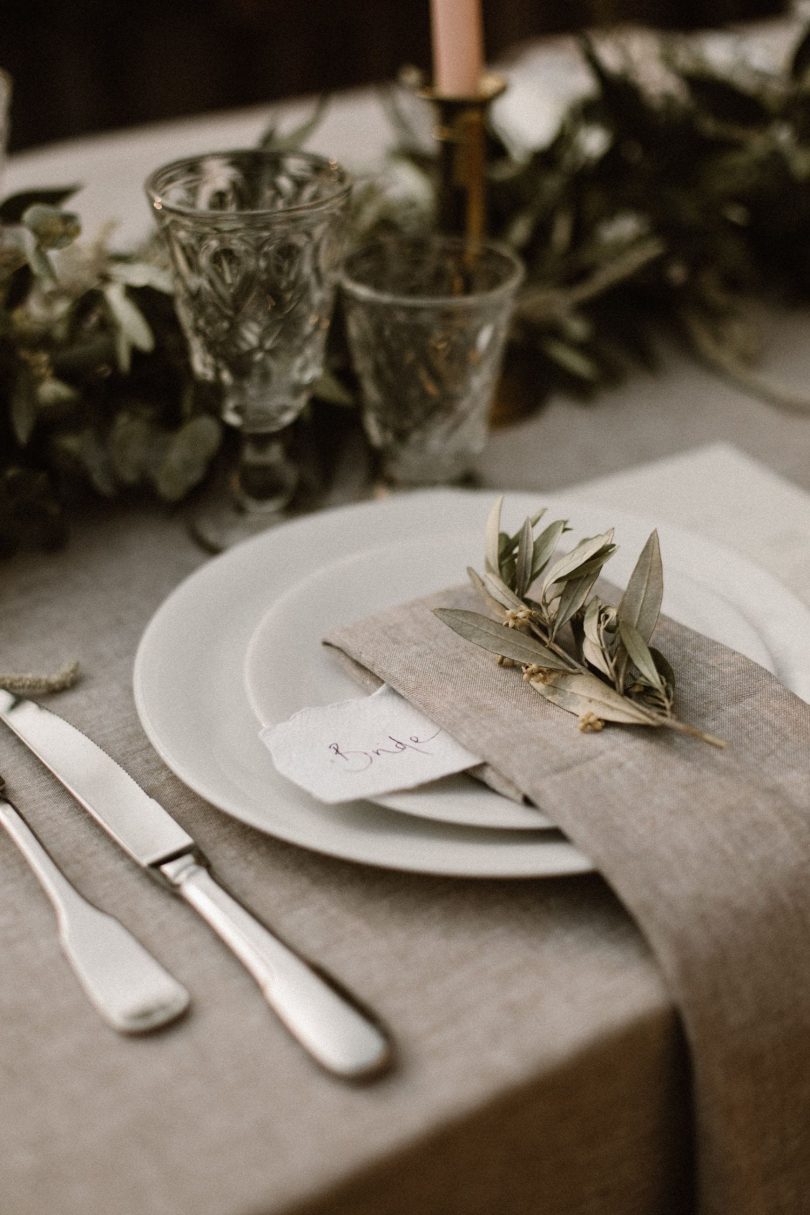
(708, 850)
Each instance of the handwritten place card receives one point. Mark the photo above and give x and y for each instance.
(363, 748)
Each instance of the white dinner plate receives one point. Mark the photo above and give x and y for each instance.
(190, 695)
(287, 668)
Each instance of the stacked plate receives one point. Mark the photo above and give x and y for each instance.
(238, 646)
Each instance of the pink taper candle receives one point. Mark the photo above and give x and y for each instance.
(458, 47)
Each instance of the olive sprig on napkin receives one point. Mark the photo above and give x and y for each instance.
(578, 651)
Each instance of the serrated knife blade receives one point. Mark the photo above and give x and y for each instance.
(326, 1020)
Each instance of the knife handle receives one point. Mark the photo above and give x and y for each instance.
(126, 985)
(325, 1020)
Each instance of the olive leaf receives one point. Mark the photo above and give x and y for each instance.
(574, 594)
(277, 141)
(640, 604)
(609, 671)
(545, 545)
(492, 534)
(639, 654)
(594, 650)
(583, 693)
(573, 562)
(495, 588)
(523, 564)
(506, 643)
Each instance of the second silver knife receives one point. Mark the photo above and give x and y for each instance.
(326, 1021)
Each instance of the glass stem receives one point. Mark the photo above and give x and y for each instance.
(265, 477)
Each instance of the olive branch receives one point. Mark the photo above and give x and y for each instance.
(607, 670)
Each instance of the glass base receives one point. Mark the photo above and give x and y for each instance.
(252, 491)
(219, 524)
(420, 469)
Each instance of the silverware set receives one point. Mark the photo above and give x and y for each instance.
(129, 988)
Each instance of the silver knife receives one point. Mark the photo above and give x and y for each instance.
(327, 1022)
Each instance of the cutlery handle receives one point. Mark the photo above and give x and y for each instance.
(127, 986)
(325, 1020)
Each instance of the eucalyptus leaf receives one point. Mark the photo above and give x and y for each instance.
(495, 637)
(13, 252)
(53, 391)
(142, 274)
(23, 408)
(128, 316)
(41, 264)
(187, 458)
(15, 206)
(53, 228)
(130, 443)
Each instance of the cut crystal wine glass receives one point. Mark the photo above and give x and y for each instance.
(256, 240)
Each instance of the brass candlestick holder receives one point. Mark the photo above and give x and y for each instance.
(460, 131)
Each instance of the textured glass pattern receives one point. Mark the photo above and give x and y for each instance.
(256, 241)
(427, 327)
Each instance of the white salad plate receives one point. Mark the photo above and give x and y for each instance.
(189, 681)
(287, 669)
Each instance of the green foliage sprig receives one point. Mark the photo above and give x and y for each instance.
(95, 391)
(578, 651)
(673, 196)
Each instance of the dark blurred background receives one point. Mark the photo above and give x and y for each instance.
(90, 65)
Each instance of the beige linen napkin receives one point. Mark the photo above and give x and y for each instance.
(709, 851)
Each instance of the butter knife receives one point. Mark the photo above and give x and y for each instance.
(127, 986)
(327, 1021)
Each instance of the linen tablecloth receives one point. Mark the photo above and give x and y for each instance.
(541, 1065)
